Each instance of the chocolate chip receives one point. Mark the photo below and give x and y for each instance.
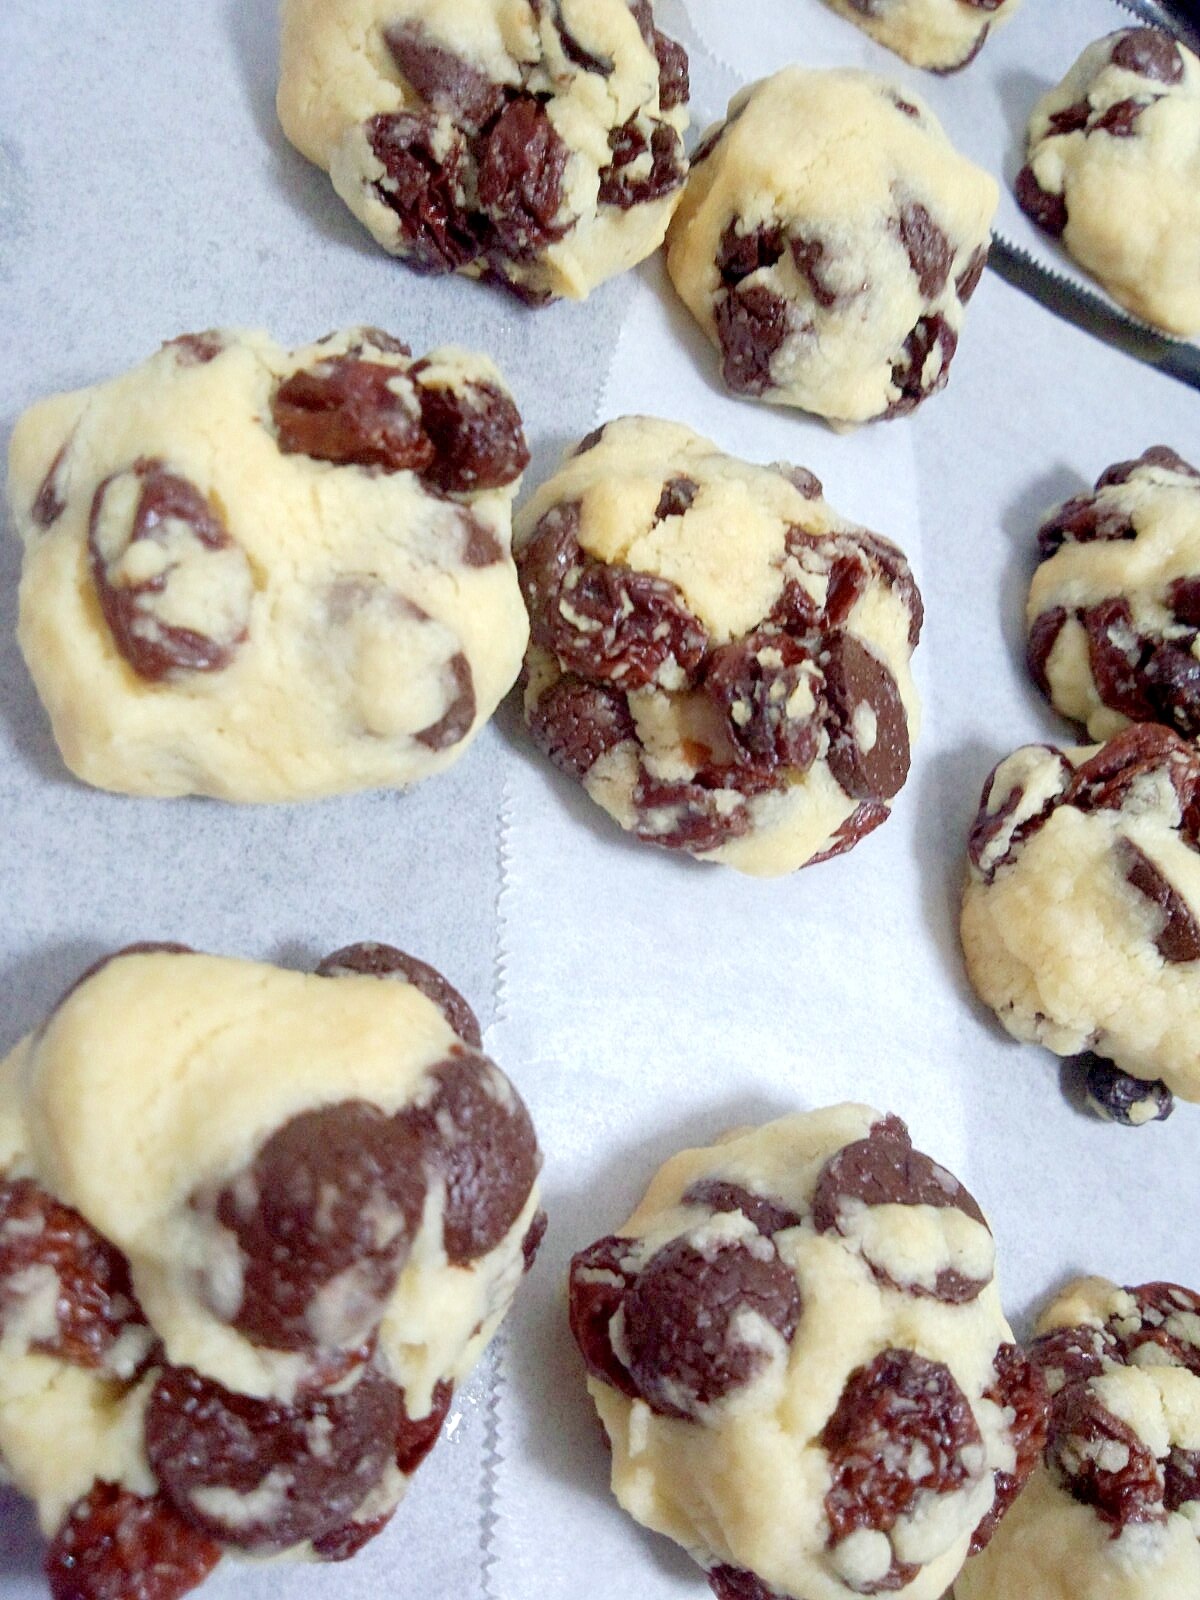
(1043, 636)
(261, 1475)
(521, 165)
(932, 339)
(575, 53)
(424, 186)
(1085, 1441)
(1150, 53)
(114, 1545)
(684, 1313)
(476, 1134)
(769, 693)
(1183, 598)
(1115, 653)
(1083, 520)
(325, 1217)
(597, 1287)
(1020, 1389)
(929, 250)
(197, 569)
(752, 324)
(967, 281)
(864, 819)
(1120, 1097)
(809, 255)
(685, 816)
(742, 252)
(869, 757)
(629, 143)
(353, 413)
(453, 726)
(767, 1215)
(475, 433)
(674, 87)
(1179, 938)
(1181, 1477)
(385, 961)
(447, 83)
(576, 722)
(1103, 781)
(1048, 211)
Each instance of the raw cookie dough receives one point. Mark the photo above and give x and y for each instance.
(264, 574)
(254, 1227)
(797, 1350)
(1114, 1514)
(537, 143)
(827, 242)
(1114, 608)
(1080, 917)
(1113, 166)
(942, 35)
(717, 656)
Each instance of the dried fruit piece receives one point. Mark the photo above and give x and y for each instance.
(114, 1545)
(1102, 1461)
(522, 161)
(475, 434)
(1120, 1097)
(1020, 1389)
(423, 187)
(752, 324)
(354, 413)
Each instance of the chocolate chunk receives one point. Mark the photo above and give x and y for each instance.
(1086, 1441)
(1082, 521)
(1120, 1097)
(575, 53)
(260, 1475)
(618, 185)
(809, 485)
(1181, 1477)
(353, 413)
(521, 165)
(929, 250)
(868, 756)
(1179, 938)
(674, 86)
(576, 722)
(114, 1545)
(325, 1217)
(344, 1543)
(447, 83)
(424, 186)
(967, 281)
(1183, 597)
(481, 547)
(1105, 779)
(752, 324)
(475, 433)
(681, 1317)
(685, 816)
(476, 1133)
(742, 252)
(597, 1287)
(1049, 211)
(1043, 636)
(1115, 652)
(931, 339)
(385, 961)
(809, 254)
(768, 1216)
(769, 693)
(455, 723)
(1021, 1389)
(1150, 53)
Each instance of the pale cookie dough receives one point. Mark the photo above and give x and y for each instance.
(1081, 916)
(827, 243)
(1114, 607)
(797, 1350)
(536, 143)
(1114, 1513)
(716, 655)
(1113, 166)
(255, 1225)
(943, 35)
(264, 574)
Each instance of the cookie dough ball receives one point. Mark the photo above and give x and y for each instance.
(718, 657)
(1080, 916)
(797, 1350)
(1114, 609)
(1114, 1512)
(267, 574)
(1113, 166)
(827, 243)
(255, 1226)
(536, 143)
(942, 35)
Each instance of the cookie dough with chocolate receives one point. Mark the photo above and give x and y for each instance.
(255, 1225)
(267, 574)
(1113, 1512)
(797, 1351)
(942, 35)
(1113, 167)
(718, 657)
(536, 143)
(827, 243)
(1081, 915)
(1114, 608)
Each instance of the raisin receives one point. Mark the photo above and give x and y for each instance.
(1120, 120)
(196, 349)
(628, 143)
(736, 1583)
(114, 1545)
(754, 683)
(1073, 1355)
(261, 1475)
(1150, 53)
(521, 164)
(575, 723)
(475, 433)
(344, 1543)
(685, 816)
(1115, 651)
(809, 255)
(864, 819)
(166, 569)
(597, 1287)
(674, 87)
(1178, 939)
(385, 961)
(681, 1321)
(768, 1216)
(1021, 1389)
(709, 142)
(532, 1242)
(325, 1217)
(902, 1427)
(801, 479)
(476, 1132)
(1048, 211)
(604, 621)
(1043, 636)
(752, 324)
(740, 253)
(1120, 1097)
(416, 1437)
(44, 1244)
(353, 413)
(448, 84)
(929, 251)
(884, 1169)
(932, 339)
(1159, 1304)
(1083, 1433)
(1105, 779)
(424, 188)
(50, 501)
(1171, 675)
(891, 561)
(676, 498)
(967, 281)
(1072, 119)
(1183, 597)
(1181, 1479)
(869, 762)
